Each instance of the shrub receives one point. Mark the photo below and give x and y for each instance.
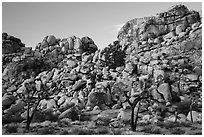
(64, 132)
(185, 124)
(177, 131)
(170, 125)
(198, 133)
(45, 131)
(152, 129)
(80, 131)
(117, 132)
(102, 131)
(146, 129)
(11, 128)
(156, 130)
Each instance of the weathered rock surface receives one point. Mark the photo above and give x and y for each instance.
(160, 54)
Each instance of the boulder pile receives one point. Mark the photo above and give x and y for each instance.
(11, 44)
(161, 54)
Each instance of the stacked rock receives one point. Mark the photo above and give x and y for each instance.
(161, 54)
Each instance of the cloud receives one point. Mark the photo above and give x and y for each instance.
(118, 26)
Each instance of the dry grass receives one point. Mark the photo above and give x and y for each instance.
(151, 129)
(177, 131)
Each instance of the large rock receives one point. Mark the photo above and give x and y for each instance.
(88, 45)
(70, 43)
(97, 98)
(71, 113)
(196, 116)
(47, 104)
(72, 63)
(162, 23)
(15, 108)
(124, 115)
(11, 44)
(78, 85)
(164, 89)
(78, 45)
(51, 40)
(7, 100)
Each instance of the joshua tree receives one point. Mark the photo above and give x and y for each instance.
(32, 98)
(143, 94)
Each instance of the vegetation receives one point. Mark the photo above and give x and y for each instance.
(11, 128)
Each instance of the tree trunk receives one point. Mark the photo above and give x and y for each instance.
(132, 119)
(28, 116)
(191, 112)
(136, 119)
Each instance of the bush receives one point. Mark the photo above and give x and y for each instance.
(177, 131)
(152, 129)
(80, 131)
(45, 131)
(198, 133)
(102, 131)
(156, 130)
(64, 132)
(146, 129)
(117, 132)
(66, 122)
(170, 125)
(11, 128)
(185, 124)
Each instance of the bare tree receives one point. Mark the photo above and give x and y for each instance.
(32, 99)
(143, 94)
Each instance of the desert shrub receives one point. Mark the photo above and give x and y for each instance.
(193, 128)
(170, 125)
(126, 122)
(81, 131)
(146, 129)
(38, 117)
(177, 131)
(160, 124)
(102, 131)
(152, 129)
(185, 124)
(64, 122)
(12, 119)
(117, 132)
(12, 128)
(64, 132)
(156, 130)
(91, 125)
(102, 121)
(143, 124)
(45, 131)
(199, 122)
(198, 133)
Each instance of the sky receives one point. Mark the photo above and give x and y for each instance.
(101, 21)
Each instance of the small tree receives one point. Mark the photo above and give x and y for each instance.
(143, 94)
(33, 98)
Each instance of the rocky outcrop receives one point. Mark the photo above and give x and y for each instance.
(178, 19)
(11, 44)
(161, 55)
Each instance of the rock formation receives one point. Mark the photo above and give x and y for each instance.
(162, 54)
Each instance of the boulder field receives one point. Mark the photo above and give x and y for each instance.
(161, 54)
